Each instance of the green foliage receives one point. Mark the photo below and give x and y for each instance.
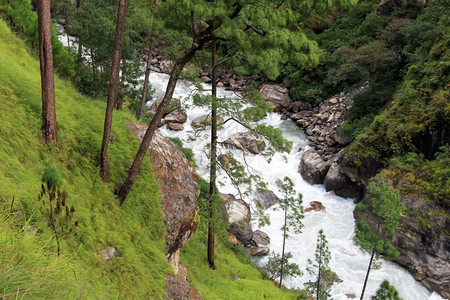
(321, 269)
(51, 178)
(386, 292)
(292, 206)
(273, 266)
(386, 205)
(186, 151)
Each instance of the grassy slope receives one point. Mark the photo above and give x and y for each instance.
(29, 267)
(135, 230)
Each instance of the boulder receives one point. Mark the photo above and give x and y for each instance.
(177, 116)
(260, 238)
(175, 104)
(175, 126)
(179, 188)
(312, 168)
(341, 137)
(315, 205)
(259, 251)
(266, 198)
(334, 179)
(277, 96)
(205, 79)
(109, 253)
(239, 217)
(204, 121)
(180, 289)
(245, 141)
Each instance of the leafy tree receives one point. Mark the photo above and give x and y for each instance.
(387, 208)
(113, 85)
(47, 77)
(386, 292)
(291, 205)
(320, 268)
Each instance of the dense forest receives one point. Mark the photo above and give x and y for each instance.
(86, 213)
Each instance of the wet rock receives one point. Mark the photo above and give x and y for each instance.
(334, 179)
(175, 126)
(277, 96)
(204, 121)
(259, 251)
(178, 116)
(245, 141)
(175, 104)
(315, 205)
(260, 238)
(239, 217)
(312, 168)
(206, 79)
(266, 198)
(108, 253)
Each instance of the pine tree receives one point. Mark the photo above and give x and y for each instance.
(47, 75)
(386, 292)
(386, 205)
(320, 269)
(113, 86)
(291, 205)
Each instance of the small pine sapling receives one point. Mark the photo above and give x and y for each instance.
(320, 269)
(386, 292)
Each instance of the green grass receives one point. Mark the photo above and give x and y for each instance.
(136, 230)
(29, 265)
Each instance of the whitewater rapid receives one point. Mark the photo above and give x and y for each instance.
(347, 260)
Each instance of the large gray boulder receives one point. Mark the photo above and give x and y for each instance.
(260, 238)
(313, 168)
(278, 96)
(266, 198)
(204, 120)
(239, 217)
(175, 104)
(247, 142)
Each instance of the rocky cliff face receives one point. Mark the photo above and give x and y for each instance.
(179, 187)
(424, 245)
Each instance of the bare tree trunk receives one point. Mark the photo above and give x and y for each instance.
(174, 75)
(47, 78)
(113, 85)
(147, 75)
(282, 251)
(213, 157)
(367, 274)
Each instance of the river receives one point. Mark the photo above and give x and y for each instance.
(337, 221)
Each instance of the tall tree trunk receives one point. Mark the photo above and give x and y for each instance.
(282, 251)
(113, 85)
(318, 276)
(147, 76)
(367, 274)
(135, 167)
(213, 157)
(47, 77)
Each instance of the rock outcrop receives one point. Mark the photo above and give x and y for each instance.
(278, 96)
(179, 288)
(239, 217)
(247, 142)
(313, 168)
(424, 248)
(179, 187)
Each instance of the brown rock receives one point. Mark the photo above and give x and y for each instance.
(175, 126)
(245, 141)
(259, 251)
(315, 205)
(260, 238)
(178, 116)
(277, 96)
(204, 121)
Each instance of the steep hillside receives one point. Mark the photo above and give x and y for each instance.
(29, 265)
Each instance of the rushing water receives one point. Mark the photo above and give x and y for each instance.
(337, 221)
